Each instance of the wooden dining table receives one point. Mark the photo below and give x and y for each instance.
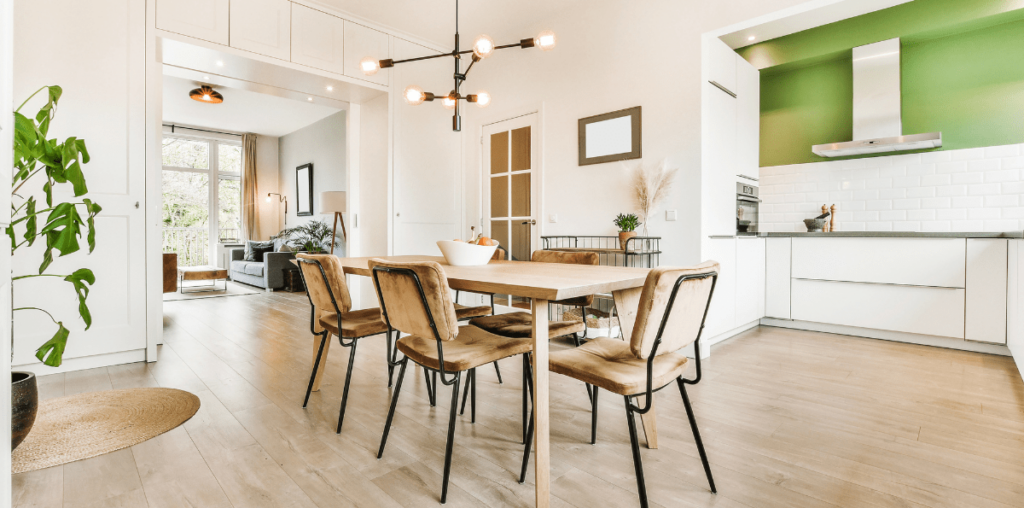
(541, 283)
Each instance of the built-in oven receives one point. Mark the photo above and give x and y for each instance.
(746, 208)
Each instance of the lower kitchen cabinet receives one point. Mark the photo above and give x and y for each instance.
(986, 290)
(739, 293)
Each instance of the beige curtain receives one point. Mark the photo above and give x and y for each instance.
(250, 192)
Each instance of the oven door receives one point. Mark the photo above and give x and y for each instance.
(746, 213)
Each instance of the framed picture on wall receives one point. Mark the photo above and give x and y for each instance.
(304, 190)
(610, 137)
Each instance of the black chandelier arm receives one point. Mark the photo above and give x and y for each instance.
(384, 64)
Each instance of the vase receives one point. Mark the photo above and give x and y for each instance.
(24, 403)
(624, 237)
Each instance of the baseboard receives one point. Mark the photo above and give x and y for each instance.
(705, 344)
(911, 338)
(85, 362)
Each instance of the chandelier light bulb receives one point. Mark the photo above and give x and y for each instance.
(483, 47)
(448, 102)
(414, 95)
(369, 65)
(483, 99)
(268, 198)
(545, 40)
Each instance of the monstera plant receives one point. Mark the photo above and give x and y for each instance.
(41, 167)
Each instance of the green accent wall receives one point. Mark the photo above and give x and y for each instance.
(962, 74)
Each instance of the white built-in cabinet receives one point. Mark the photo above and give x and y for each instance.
(722, 64)
(986, 290)
(778, 277)
(202, 19)
(361, 42)
(262, 26)
(318, 39)
(750, 252)
(739, 293)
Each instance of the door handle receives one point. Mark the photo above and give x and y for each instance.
(532, 222)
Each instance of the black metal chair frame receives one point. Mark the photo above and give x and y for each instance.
(632, 409)
(403, 363)
(324, 335)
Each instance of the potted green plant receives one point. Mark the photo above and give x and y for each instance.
(48, 163)
(627, 224)
(314, 237)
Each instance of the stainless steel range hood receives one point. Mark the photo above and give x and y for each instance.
(877, 124)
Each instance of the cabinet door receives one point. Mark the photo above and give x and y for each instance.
(722, 314)
(361, 42)
(722, 64)
(183, 17)
(986, 290)
(719, 164)
(748, 118)
(318, 39)
(777, 277)
(749, 280)
(262, 26)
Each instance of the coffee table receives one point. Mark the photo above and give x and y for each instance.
(210, 273)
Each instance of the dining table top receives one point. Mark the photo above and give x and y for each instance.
(545, 281)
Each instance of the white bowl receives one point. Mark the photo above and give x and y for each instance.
(465, 254)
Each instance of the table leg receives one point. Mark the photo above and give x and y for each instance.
(542, 437)
(626, 304)
(323, 359)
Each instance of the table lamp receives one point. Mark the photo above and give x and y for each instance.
(334, 202)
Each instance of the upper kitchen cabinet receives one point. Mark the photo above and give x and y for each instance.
(262, 26)
(362, 42)
(182, 17)
(748, 119)
(722, 65)
(318, 39)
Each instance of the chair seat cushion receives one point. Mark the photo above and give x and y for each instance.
(358, 323)
(520, 325)
(247, 267)
(473, 347)
(465, 312)
(609, 364)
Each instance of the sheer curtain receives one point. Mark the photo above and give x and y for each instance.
(250, 192)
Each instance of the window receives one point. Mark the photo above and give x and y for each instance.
(201, 182)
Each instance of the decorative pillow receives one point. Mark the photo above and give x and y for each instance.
(250, 244)
(259, 252)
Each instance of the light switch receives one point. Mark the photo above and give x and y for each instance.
(670, 215)
(553, 218)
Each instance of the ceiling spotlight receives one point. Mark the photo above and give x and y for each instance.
(330, 88)
(220, 63)
(310, 99)
(751, 38)
(206, 78)
(206, 94)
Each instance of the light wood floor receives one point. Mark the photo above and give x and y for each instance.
(790, 419)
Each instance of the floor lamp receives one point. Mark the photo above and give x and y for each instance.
(334, 202)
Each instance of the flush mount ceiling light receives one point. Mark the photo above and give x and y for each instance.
(483, 47)
(206, 94)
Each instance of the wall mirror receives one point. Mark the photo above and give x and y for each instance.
(610, 137)
(304, 190)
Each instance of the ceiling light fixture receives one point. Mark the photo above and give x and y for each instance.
(310, 99)
(483, 47)
(330, 88)
(220, 63)
(206, 94)
(751, 38)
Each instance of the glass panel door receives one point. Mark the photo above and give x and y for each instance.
(510, 189)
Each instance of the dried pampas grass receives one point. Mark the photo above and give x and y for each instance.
(650, 186)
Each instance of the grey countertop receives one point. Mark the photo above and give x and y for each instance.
(879, 234)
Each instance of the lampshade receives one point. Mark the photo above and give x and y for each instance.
(332, 201)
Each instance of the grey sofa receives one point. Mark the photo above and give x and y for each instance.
(268, 275)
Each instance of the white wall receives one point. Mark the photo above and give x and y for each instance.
(610, 55)
(267, 180)
(323, 144)
(976, 189)
(373, 185)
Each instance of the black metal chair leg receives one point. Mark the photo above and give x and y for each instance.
(391, 412)
(316, 365)
(433, 384)
(696, 434)
(430, 389)
(525, 361)
(348, 381)
(498, 372)
(472, 394)
(593, 418)
(465, 394)
(451, 439)
(526, 452)
(640, 484)
(390, 359)
(576, 339)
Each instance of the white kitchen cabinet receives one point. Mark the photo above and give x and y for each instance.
(910, 309)
(986, 290)
(719, 164)
(362, 42)
(1015, 300)
(778, 264)
(722, 64)
(750, 252)
(318, 39)
(912, 261)
(202, 19)
(748, 119)
(722, 313)
(739, 293)
(262, 26)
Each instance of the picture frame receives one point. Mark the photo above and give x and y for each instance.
(609, 137)
(304, 190)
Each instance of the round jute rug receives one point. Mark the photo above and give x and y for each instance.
(90, 424)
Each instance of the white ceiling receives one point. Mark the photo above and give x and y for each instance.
(241, 111)
(785, 23)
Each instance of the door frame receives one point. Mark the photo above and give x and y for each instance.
(532, 117)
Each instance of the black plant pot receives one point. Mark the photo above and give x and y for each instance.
(24, 402)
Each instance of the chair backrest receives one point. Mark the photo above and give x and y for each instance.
(319, 290)
(686, 314)
(499, 254)
(569, 258)
(406, 309)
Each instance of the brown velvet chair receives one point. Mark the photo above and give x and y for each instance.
(416, 299)
(324, 278)
(670, 316)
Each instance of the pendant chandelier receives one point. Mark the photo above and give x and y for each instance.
(483, 47)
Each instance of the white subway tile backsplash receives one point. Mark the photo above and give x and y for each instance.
(956, 190)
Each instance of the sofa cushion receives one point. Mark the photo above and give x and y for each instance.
(248, 268)
(249, 244)
(259, 252)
